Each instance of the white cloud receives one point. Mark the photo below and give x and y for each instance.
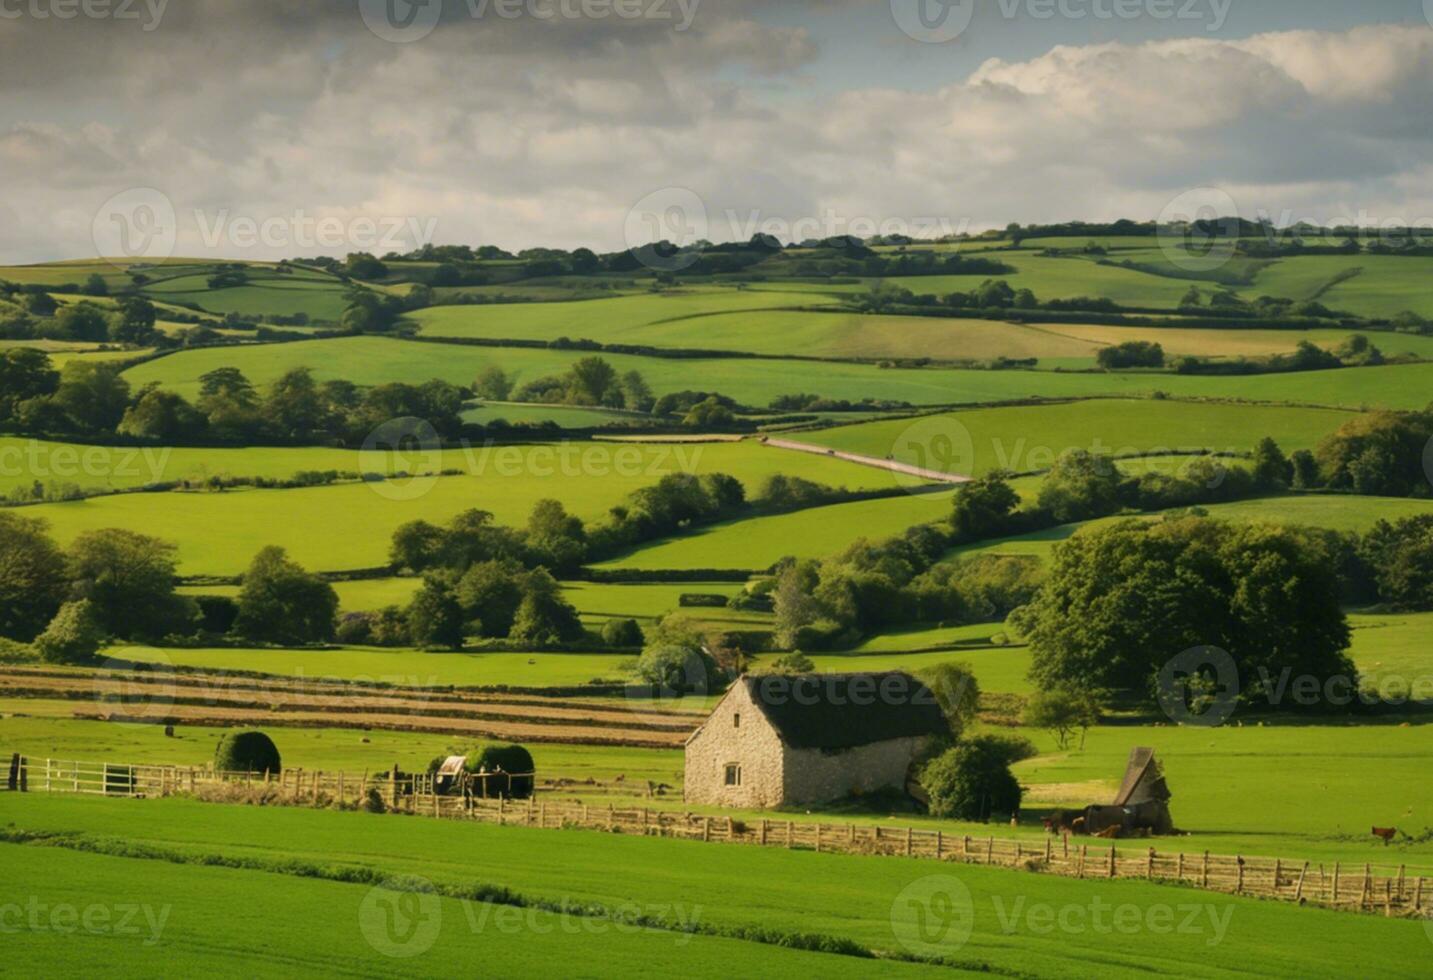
(524, 134)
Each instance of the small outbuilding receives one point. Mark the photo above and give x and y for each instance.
(780, 739)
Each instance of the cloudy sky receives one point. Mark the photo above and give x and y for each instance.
(234, 127)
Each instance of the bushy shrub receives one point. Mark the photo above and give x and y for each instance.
(622, 633)
(793, 663)
(247, 752)
(73, 636)
(355, 629)
(972, 781)
(678, 669)
(503, 758)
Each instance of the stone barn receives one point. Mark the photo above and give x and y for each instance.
(783, 740)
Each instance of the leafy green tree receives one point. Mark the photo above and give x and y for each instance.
(1400, 556)
(1062, 711)
(543, 617)
(41, 304)
(135, 322)
(82, 321)
(490, 593)
(1377, 453)
(33, 578)
(636, 393)
(493, 384)
(435, 619)
(416, 546)
(1272, 470)
(95, 286)
(25, 373)
(94, 396)
(282, 603)
(131, 580)
(983, 507)
(162, 416)
(230, 403)
(1305, 470)
(295, 409)
(710, 414)
(556, 538)
(74, 636)
(593, 381)
(1081, 486)
(1120, 601)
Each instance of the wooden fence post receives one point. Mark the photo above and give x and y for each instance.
(1084, 851)
(789, 828)
(1418, 895)
(706, 828)
(1149, 872)
(1278, 873)
(1112, 860)
(1299, 888)
(909, 844)
(990, 851)
(939, 845)
(1336, 869)
(818, 837)
(1204, 874)
(1366, 895)
(1239, 884)
(1180, 873)
(1049, 849)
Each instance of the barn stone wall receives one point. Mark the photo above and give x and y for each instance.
(753, 744)
(815, 776)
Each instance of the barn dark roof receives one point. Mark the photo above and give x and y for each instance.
(840, 711)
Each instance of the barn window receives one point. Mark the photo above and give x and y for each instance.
(736, 720)
(733, 774)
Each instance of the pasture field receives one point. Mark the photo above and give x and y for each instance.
(754, 889)
(1340, 513)
(619, 320)
(1063, 278)
(204, 921)
(1392, 651)
(218, 533)
(1253, 342)
(1366, 285)
(396, 666)
(44, 729)
(566, 416)
(836, 334)
(319, 300)
(1027, 438)
(758, 543)
(374, 360)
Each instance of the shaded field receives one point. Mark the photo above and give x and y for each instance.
(1027, 438)
(758, 543)
(754, 381)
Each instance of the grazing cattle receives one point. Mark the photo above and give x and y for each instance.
(1061, 821)
(1385, 834)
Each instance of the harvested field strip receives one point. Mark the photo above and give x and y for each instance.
(1387, 891)
(557, 731)
(217, 689)
(904, 469)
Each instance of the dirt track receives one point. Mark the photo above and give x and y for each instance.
(904, 469)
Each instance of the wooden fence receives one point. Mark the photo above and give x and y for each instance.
(1361, 888)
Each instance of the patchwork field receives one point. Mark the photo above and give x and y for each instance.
(372, 360)
(1028, 438)
(218, 533)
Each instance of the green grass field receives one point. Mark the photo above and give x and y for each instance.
(1384, 286)
(1029, 438)
(372, 360)
(203, 921)
(858, 898)
(1341, 513)
(218, 533)
(759, 543)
